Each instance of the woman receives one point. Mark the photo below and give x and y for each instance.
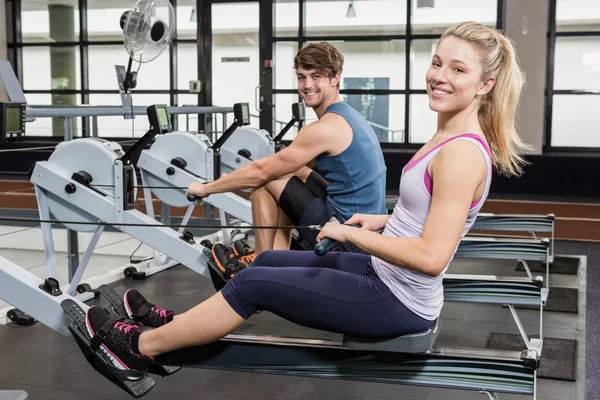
(474, 84)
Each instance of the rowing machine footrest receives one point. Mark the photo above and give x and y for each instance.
(188, 237)
(133, 273)
(20, 317)
(420, 342)
(136, 383)
(86, 288)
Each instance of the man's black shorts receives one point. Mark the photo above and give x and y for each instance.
(306, 204)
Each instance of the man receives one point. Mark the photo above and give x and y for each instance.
(286, 191)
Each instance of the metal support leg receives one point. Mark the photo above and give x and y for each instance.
(209, 212)
(94, 126)
(73, 252)
(552, 242)
(150, 213)
(491, 395)
(227, 239)
(526, 267)
(186, 218)
(533, 344)
(47, 237)
(84, 261)
(545, 294)
(68, 129)
(165, 214)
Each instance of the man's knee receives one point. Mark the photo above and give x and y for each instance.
(303, 173)
(278, 186)
(259, 194)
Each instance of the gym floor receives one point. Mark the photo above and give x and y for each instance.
(48, 366)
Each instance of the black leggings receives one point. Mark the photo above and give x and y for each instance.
(338, 292)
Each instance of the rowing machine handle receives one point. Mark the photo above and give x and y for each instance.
(191, 197)
(325, 245)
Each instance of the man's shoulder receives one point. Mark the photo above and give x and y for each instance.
(328, 122)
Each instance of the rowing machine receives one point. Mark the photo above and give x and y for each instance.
(92, 180)
(247, 143)
(175, 161)
(406, 360)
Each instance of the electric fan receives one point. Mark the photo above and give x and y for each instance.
(147, 31)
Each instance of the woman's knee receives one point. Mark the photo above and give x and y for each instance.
(262, 258)
(272, 258)
(239, 295)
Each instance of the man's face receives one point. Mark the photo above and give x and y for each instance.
(314, 87)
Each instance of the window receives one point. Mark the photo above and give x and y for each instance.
(577, 16)
(423, 121)
(422, 51)
(283, 114)
(285, 75)
(434, 16)
(372, 35)
(187, 20)
(235, 59)
(119, 127)
(102, 61)
(381, 65)
(574, 120)
(577, 63)
(286, 18)
(187, 65)
(51, 126)
(384, 112)
(100, 13)
(51, 68)
(188, 122)
(574, 80)
(355, 17)
(45, 21)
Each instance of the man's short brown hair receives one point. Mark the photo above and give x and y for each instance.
(322, 57)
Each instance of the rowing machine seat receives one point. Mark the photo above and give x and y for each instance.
(420, 342)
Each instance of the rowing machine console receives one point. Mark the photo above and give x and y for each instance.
(159, 120)
(297, 116)
(12, 116)
(241, 114)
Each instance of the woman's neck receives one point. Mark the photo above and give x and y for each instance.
(452, 124)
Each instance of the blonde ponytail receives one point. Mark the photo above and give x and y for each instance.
(498, 111)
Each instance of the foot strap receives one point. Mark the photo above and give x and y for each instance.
(101, 333)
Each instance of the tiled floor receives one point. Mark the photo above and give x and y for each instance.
(48, 366)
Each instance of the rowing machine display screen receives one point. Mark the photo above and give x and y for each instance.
(241, 112)
(12, 115)
(163, 120)
(158, 117)
(298, 111)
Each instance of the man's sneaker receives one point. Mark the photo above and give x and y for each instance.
(140, 310)
(243, 250)
(225, 259)
(117, 334)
